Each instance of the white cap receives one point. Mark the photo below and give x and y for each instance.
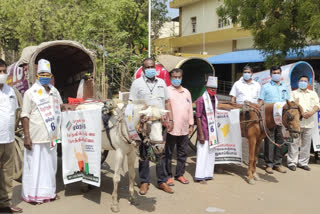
(44, 66)
(212, 82)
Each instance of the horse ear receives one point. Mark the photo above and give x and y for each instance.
(300, 111)
(163, 112)
(297, 101)
(288, 102)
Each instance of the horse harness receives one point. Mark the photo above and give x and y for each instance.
(143, 129)
(290, 117)
(260, 112)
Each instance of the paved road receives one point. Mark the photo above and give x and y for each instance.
(292, 193)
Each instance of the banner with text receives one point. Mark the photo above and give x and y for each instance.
(229, 149)
(81, 146)
(316, 133)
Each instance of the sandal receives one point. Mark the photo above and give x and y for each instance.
(170, 182)
(182, 180)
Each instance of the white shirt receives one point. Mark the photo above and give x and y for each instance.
(153, 92)
(242, 91)
(308, 100)
(8, 107)
(37, 127)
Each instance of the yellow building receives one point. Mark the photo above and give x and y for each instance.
(202, 32)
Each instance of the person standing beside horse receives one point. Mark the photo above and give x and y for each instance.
(154, 92)
(245, 89)
(273, 92)
(8, 106)
(181, 102)
(309, 101)
(41, 122)
(207, 135)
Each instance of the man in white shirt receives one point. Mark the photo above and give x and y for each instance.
(154, 91)
(309, 101)
(41, 122)
(8, 106)
(245, 89)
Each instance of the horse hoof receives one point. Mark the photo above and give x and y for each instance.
(133, 202)
(256, 178)
(251, 181)
(115, 208)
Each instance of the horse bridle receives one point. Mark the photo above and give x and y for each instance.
(259, 114)
(289, 118)
(144, 129)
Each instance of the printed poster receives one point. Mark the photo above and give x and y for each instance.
(81, 146)
(229, 149)
(17, 78)
(316, 133)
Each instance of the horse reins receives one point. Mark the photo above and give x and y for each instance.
(261, 118)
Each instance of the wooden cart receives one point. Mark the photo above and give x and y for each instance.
(70, 62)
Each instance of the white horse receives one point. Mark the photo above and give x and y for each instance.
(150, 118)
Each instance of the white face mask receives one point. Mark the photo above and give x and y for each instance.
(3, 78)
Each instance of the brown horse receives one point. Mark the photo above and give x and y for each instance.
(255, 127)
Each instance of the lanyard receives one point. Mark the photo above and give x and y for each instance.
(150, 89)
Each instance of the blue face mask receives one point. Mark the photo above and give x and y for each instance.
(276, 77)
(303, 85)
(246, 76)
(44, 80)
(150, 72)
(176, 82)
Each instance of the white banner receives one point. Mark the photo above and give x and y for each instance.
(229, 149)
(316, 132)
(81, 146)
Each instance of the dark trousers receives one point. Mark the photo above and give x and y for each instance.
(182, 143)
(272, 153)
(144, 170)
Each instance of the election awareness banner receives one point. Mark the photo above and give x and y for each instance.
(17, 78)
(81, 146)
(316, 133)
(229, 149)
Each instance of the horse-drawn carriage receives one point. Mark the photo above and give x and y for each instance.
(254, 125)
(70, 62)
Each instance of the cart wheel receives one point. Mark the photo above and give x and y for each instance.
(18, 159)
(193, 140)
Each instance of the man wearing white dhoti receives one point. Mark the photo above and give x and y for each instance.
(41, 121)
(207, 135)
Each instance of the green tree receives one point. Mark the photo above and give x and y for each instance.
(277, 26)
(117, 31)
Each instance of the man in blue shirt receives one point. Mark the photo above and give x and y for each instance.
(274, 92)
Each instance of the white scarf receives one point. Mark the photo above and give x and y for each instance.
(49, 107)
(213, 142)
(277, 116)
(277, 112)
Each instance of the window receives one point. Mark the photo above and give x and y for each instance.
(223, 23)
(194, 24)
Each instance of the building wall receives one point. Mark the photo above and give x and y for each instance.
(219, 47)
(205, 13)
(169, 29)
(246, 43)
